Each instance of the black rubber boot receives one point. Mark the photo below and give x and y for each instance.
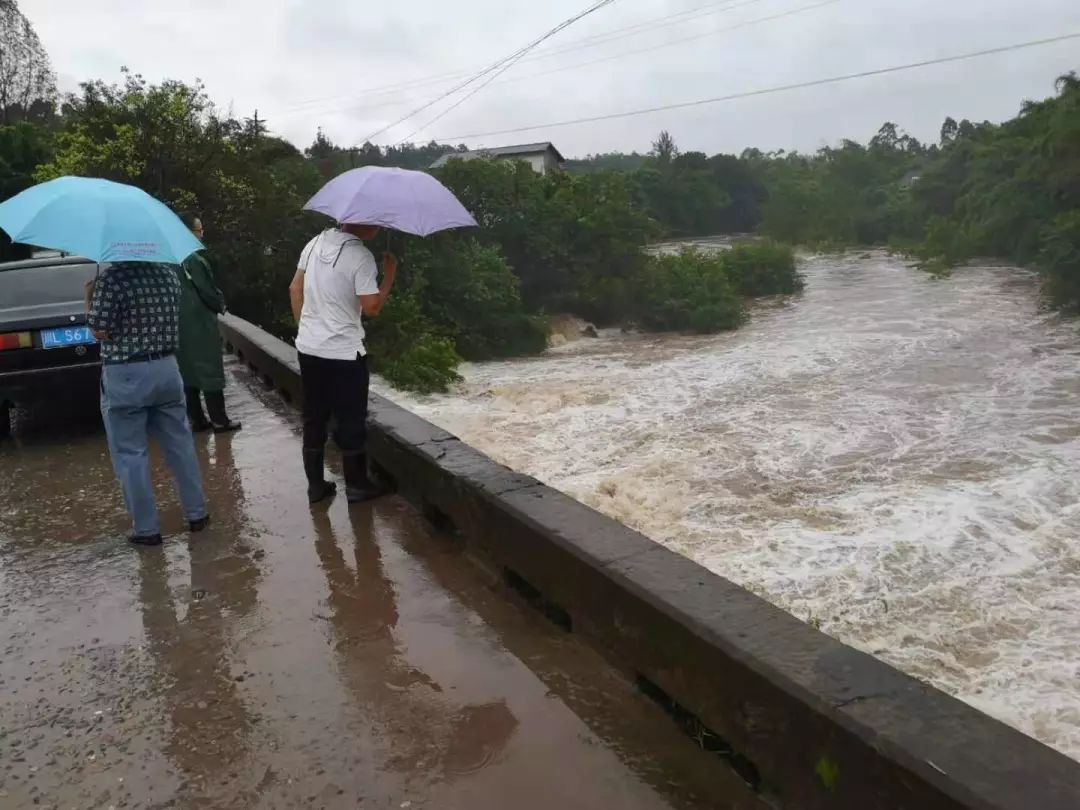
(215, 404)
(314, 468)
(358, 486)
(195, 415)
(145, 539)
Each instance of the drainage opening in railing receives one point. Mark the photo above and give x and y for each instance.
(706, 738)
(531, 594)
(443, 523)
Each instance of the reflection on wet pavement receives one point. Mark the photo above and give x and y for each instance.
(326, 657)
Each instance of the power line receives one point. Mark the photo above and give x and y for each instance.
(672, 43)
(602, 38)
(457, 103)
(620, 55)
(646, 27)
(510, 64)
(769, 90)
(504, 61)
(745, 24)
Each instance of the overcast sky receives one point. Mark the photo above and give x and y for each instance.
(329, 63)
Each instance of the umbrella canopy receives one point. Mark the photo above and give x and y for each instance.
(413, 202)
(98, 220)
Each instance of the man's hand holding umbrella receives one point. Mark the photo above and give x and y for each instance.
(372, 304)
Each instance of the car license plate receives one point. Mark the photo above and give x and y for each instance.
(66, 336)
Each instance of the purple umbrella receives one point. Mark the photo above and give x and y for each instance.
(413, 202)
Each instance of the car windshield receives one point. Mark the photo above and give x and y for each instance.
(44, 285)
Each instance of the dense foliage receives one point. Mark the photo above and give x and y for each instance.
(1059, 260)
(704, 291)
(573, 241)
(456, 297)
(546, 243)
(762, 268)
(169, 140)
(689, 291)
(1010, 190)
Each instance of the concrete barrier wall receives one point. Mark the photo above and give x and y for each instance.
(808, 721)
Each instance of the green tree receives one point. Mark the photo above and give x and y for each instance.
(664, 148)
(572, 241)
(27, 81)
(249, 187)
(688, 292)
(470, 293)
(1002, 190)
(22, 147)
(1059, 260)
(761, 268)
(744, 189)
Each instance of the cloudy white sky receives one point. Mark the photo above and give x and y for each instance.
(352, 66)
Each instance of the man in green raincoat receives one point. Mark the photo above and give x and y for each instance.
(201, 364)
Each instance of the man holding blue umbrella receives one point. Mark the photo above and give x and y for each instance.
(135, 313)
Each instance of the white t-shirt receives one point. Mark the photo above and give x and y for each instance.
(337, 268)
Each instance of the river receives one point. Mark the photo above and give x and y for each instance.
(893, 458)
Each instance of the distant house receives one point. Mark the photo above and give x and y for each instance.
(542, 157)
(911, 179)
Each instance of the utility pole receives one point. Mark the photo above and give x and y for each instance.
(254, 129)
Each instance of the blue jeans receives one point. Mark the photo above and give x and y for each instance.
(140, 400)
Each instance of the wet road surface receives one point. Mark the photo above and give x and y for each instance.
(291, 656)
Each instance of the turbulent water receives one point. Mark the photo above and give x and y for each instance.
(893, 458)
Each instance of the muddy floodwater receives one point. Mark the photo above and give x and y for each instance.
(326, 657)
(892, 458)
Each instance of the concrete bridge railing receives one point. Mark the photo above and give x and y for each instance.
(804, 719)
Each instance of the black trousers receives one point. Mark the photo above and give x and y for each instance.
(337, 388)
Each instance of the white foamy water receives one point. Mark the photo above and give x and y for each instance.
(894, 457)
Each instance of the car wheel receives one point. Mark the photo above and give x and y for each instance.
(5, 420)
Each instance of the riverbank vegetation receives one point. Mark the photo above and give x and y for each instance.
(697, 290)
(569, 242)
(1009, 190)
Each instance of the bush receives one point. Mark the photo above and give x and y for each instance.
(688, 291)
(407, 349)
(470, 293)
(762, 268)
(427, 364)
(944, 246)
(1059, 261)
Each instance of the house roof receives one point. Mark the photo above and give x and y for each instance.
(503, 151)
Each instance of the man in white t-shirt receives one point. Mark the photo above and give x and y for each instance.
(336, 283)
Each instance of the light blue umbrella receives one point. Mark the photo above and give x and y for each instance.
(98, 220)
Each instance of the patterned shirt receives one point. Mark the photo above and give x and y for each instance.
(138, 305)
